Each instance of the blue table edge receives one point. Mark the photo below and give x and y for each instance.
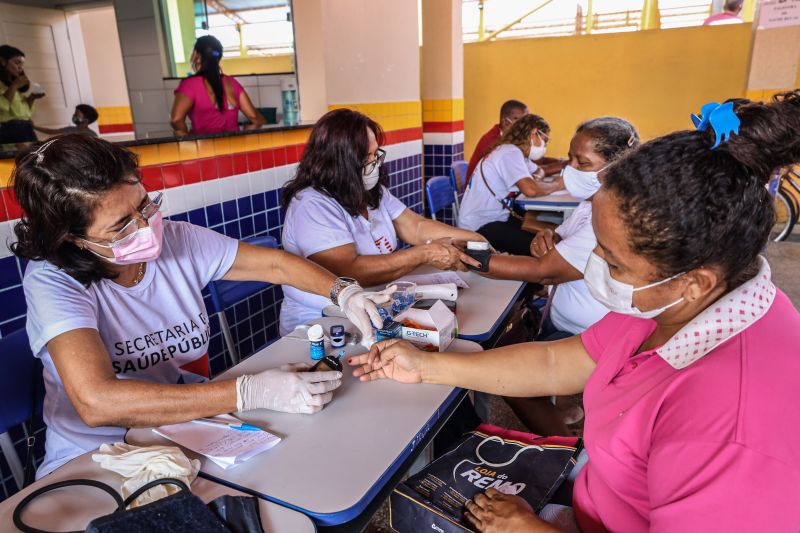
(345, 515)
(484, 336)
(531, 201)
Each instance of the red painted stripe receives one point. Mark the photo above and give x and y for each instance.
(443, 127)
(168, 175)
(115, 128)
(400, 136)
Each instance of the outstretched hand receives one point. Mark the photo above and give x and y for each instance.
(393, 359)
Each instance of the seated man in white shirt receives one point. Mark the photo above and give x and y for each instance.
(340, 214)
(560, 256)
(505, 171)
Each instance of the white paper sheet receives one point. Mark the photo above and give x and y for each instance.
(223, 445)
(436, 278)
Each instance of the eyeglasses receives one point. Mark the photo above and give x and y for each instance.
(543, 136)
(129, 229)
(380, 155)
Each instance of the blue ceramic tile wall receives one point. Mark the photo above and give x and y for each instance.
(253, 322)
(438, 158)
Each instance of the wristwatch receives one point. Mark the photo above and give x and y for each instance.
(338, 286)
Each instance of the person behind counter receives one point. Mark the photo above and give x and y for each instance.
(506, 170)
(680, 381)
(83, 117)
(115, 310)
(340, 214)
(16, 108)
(211, 99)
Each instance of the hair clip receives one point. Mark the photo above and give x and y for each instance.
(39, 152)
(632, 140)
(215, 53)
(720, 117)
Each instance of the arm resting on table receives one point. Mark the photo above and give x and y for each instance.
(101, 399)
(550, 269)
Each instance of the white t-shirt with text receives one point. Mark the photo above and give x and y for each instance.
(315, 222)
(574, 309)
(502, 168)
(156, 331)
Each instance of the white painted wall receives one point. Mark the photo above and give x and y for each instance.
(103, 56)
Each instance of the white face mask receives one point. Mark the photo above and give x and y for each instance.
(537, 152)
(371, 179)
(580, 183)
(614, 294)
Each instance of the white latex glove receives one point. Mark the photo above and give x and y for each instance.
(289, 389)
(139, 465)
(359, 307)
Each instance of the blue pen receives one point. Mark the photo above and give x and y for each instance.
(233, 425)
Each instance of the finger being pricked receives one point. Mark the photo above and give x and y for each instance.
(375, 351)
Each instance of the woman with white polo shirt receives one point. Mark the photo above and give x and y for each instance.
(560, 258)
(508, 169)
(340, 214)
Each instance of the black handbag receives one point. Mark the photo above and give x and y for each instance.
(182, 512)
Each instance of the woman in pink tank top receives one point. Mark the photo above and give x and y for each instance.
(209, 98)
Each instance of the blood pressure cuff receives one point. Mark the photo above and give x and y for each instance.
(512, 462)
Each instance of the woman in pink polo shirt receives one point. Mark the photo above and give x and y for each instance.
(681, 379)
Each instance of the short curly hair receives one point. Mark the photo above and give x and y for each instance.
(58, 192)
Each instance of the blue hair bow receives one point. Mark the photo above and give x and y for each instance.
(721, 117)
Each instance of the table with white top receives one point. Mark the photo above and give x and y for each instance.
(333, 464)
(71, 509)
(559, 202)
(481, 309)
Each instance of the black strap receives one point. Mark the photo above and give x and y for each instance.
(147, 486)
(29, 472)
(505, 205)
(61, 484)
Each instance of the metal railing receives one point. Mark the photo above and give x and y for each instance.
(673, 17)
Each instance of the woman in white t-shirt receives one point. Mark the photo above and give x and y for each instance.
(115, 310)
(507, 170)
(560, 256)
(340, 214)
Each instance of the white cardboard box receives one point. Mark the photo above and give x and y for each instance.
(438, 317)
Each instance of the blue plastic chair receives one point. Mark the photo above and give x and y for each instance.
(20, 372)
(458, 178)
(439, 193)
(227, 293)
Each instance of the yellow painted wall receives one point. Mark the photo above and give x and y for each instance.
(237, 66)
(653, 78)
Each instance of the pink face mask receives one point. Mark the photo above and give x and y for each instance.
(142, 246)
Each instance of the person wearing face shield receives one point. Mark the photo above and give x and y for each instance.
(559, 258)
(508, 169)
(341, 214)
(115, 309)
(682, 377)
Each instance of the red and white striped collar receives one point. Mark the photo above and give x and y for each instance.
(728, 316)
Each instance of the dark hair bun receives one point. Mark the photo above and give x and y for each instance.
(686, 205)
(769, 136)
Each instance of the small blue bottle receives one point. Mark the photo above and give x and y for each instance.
(316, 339)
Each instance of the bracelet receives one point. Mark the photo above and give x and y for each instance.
(338, 286)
